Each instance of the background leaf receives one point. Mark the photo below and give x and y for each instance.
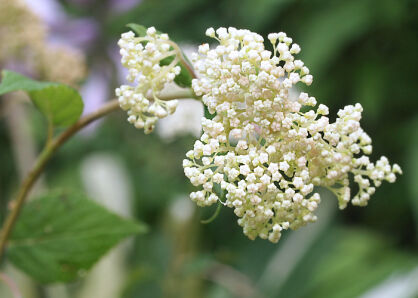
(140, 30)
(61, 234)
(184, 78)
(61, 104)
(343, 256)
(13, 81)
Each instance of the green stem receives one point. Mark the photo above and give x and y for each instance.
(39, 166)
(178, 94)
(51, 146)
(215, 215)
(183, 60)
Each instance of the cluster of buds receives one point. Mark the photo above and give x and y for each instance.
(20, 30)
(143, 57)
(55, 61)
(23, 40)
(266, 152)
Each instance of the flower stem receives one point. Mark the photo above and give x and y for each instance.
(214, 216)
(51, 146)
(40, 163)
(183, 59)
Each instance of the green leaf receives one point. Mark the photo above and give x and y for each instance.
(208, 115)
(13, 81)
(184, 78)
(61, 104)
(140, 30)
(61, 234)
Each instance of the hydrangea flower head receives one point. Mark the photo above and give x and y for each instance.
(265, 151)
(142, 56)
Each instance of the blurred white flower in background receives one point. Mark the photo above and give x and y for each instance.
(181, 209)
(107, 182)
(294, 93)
(185, 121)
(398, 285)
(95, 91)
(48, 10)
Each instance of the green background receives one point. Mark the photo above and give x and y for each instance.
(358, 51)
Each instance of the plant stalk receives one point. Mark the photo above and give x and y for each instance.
(51, 146)
(39, 165)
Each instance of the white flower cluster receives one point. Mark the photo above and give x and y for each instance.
(142, 56)
(265, 151)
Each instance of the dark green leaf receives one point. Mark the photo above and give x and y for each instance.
(184, 78)
(61, 104)
(208, 115)
(61, 234)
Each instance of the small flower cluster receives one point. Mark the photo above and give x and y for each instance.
(23, 38)
(142, 56)
(265, 151)
(20, 29)
(55, 62)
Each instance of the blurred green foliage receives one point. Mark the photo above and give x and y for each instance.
(358, 51)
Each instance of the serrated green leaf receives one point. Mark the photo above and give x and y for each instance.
(61, 234)
(61, 104)
(184, 78)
